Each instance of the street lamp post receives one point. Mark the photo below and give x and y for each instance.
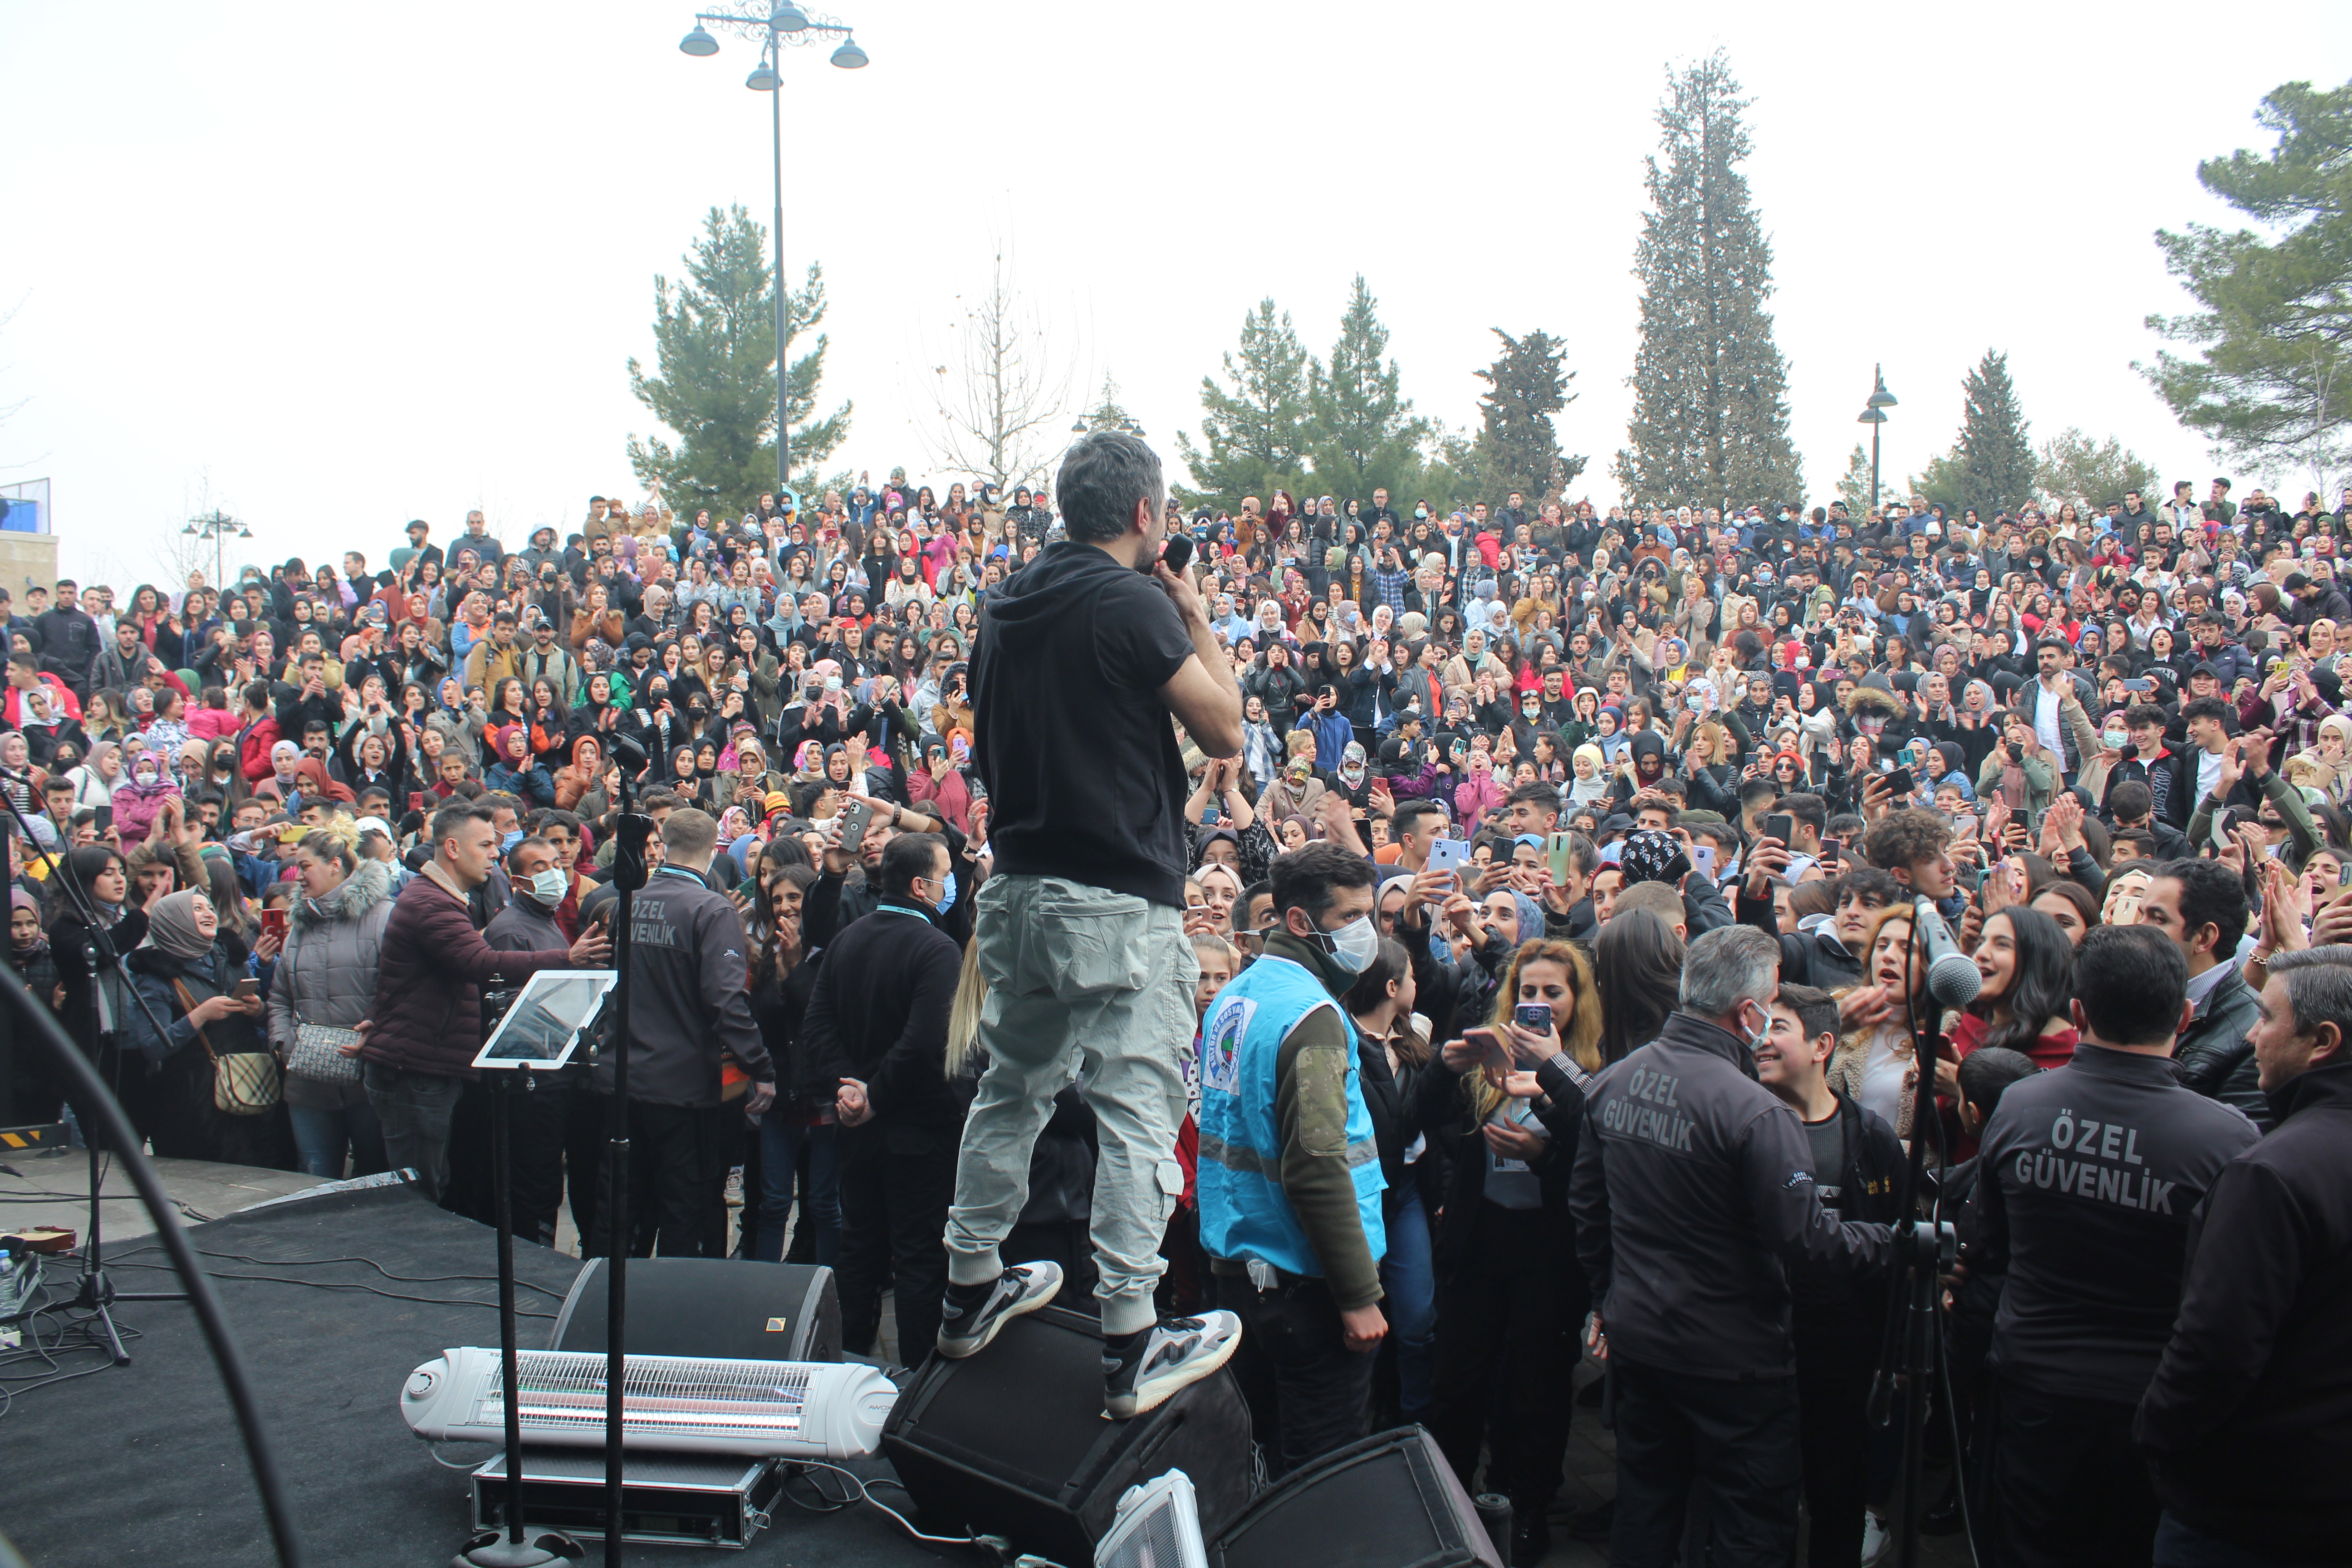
(787, 25)
(1873, 414)
(217, 525)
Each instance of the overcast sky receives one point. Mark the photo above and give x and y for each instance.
(336, 266)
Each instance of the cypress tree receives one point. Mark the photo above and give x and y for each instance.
(1710, 389)
(1994, 455)
(1517, 445)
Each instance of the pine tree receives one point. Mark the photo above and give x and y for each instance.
(1517, 445)
(1362, 435)
(1253, 433)
(2271, 382)
(715, 336)
(1994, 456)
(1854, 487)
(2075, 466)
(1710, 411)
(1108, 413)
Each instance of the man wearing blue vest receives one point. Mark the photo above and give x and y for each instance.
(1289, 1178)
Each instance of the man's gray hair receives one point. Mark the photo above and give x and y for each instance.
(1730, 966)
(2318, 986)
(1103, 475)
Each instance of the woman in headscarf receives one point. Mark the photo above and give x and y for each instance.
(94, 782)
(187, 971)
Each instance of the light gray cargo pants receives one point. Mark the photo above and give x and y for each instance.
(1080, 980)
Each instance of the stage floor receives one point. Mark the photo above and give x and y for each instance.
(143, 1463)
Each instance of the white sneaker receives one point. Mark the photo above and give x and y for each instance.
(1176, 1351)
(735, 1188)
(1876, 1539)
(1024, 1288)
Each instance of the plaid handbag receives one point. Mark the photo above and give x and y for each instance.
(245, 1083)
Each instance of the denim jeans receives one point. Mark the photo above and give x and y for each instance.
(322, 1137)
(1409, 1287)
(1079, 979)
(415, 1109)
(781, 1141)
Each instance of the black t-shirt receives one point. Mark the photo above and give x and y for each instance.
(1085, 778)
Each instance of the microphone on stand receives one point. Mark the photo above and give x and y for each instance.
(1952, 977)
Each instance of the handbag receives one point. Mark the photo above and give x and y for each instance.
(317, 1053)
(245, 1083)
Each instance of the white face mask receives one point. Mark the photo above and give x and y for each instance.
(2116, 739)
(1355, 944)
(1755, 1042)
(548, 886)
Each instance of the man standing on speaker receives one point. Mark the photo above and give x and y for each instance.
(1079, 662)
(1693, 1186)
(1289, 1183)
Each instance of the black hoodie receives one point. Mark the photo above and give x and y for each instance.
(1070, 733)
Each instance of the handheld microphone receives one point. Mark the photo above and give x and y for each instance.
(1178, 552)
(1952, 977)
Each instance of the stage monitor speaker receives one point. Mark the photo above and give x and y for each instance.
(1013, 1441)
(710, 1308)
(1387, 1502)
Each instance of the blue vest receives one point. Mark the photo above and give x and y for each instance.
(1243, 1214)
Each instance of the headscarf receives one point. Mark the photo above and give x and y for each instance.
(18, 899)
(172, 926)
(1352, 765)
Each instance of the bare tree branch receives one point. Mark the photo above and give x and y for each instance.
(1000, 390)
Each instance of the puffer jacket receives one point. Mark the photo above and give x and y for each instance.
(429, 1000)
(327, 974)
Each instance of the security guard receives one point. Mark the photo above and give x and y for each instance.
(2090, 1175)
(1692, 1187)
(1290, 1180)
(688, 1012)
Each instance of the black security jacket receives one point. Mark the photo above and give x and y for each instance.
(1692, 1192)
(2088, 1175)
(2250, 1415)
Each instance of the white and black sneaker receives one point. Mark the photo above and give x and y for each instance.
(970, 1315)
(1142, 1368)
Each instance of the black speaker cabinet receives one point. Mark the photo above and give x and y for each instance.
(1013, 1442)
(1389, 1501)
(720, 1307)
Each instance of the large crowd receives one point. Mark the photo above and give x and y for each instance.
(1570, 741)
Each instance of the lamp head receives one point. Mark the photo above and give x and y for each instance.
(849, 57)
(698, 42)
(763, 78)
(788, 17)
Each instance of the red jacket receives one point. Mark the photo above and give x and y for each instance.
(427, 1016)
(253, 753)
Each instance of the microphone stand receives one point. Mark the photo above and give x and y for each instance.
(629, 872)
(94, 1292)
(487, 1550)
(1924, 1252)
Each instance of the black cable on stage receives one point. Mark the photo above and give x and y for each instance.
(349, 1285)
(370, 1262)
(115, 1127)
